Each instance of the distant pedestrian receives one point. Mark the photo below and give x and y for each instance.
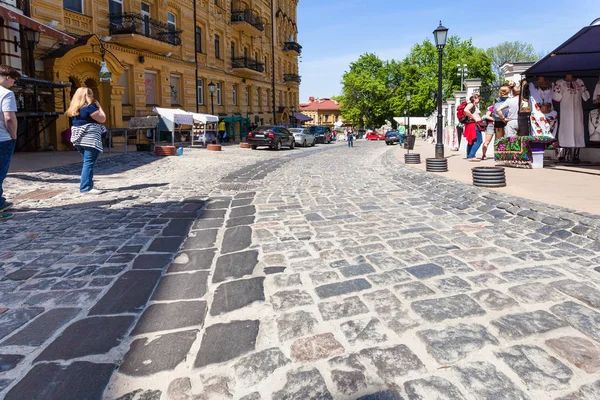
(511, 118)
(489, 133)
(472, 131)
(8, 130)
(350, 138)
(86, 134)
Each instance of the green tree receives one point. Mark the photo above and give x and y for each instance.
(510, 52)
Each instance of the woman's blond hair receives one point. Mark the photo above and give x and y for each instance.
(79, 100)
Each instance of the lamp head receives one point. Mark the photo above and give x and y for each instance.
(32, 36)
(211, 87)
(408, 96)
(440, 35)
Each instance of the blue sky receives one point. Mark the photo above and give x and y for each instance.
(334, 33)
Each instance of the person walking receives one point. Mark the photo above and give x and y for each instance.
(86, 134)
(511, 119)
(350, 138)
(472, 131)
(8, 130)
(489, 133)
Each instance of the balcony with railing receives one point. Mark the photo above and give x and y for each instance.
(291, 79)
(246, 66)
(247, 20)
(292, 48)
(143, 32)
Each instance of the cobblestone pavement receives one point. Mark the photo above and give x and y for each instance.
(275, 276)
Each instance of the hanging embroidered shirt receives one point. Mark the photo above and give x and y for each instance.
(542, 123)
(570, 95)
(595, 125)
(597, 93)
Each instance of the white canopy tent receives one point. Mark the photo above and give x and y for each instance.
(414, 121)
(172, 116)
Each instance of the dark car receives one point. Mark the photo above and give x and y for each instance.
(274, 137)
(322, 134)
(361, 133)
(392, 136)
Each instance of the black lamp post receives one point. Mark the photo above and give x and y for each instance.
(440, 35)
(408, 101)
(293, 116)
(211, 89)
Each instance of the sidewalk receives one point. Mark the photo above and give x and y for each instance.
(38, 160)
(574, 187)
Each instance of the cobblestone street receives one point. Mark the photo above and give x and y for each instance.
(318, 273)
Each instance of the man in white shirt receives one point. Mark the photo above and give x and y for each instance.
(512, 117)
(8, 130)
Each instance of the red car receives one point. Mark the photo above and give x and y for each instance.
(375, 136)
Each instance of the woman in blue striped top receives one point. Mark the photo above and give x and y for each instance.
(86, 134)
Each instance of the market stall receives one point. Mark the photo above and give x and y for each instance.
(201, 122)
(172, 120)
(561, 96)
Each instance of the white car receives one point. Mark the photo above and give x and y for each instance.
(302, 136)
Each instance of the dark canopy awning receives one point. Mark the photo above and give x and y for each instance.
(579, 54)
(30, 23)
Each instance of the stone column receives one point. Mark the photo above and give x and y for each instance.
(513, 71)
(472, 86)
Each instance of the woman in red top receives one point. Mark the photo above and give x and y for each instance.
(472, 132)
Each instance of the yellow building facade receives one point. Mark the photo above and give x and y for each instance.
(160, 55)
(324, 112)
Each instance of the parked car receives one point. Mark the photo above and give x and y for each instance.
(375, 136)
(360, 133)
(392, 136)
(274, 137)
(303, 136)
(322, 133)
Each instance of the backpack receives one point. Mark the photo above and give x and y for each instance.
(460, 113)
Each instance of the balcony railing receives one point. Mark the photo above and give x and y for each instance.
(137, 24)
(291, 78)
(248, 63)
(248, 16)
(292, 46)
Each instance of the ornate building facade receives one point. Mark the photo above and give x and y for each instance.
(324, 112)
(165, 53)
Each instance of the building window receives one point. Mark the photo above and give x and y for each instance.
(146, 19)
(174, 82)
(232, 50)
(150, 87)
(234, 90)
(256, 56)
(266, 65)
(73, 5)
(326, 117)
(217, 47)
(246, 96)
(123, 81)
(198, 39)
(245, 52)
(115, 6)
(172, 24)
(219, 93)
(200, 85)
(258, 99)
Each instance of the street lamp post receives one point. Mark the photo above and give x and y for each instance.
(293, 116)
(462, 73)
(211, 89)
(408, 138)
(440, 35)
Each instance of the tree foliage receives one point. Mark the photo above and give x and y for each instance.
(376, 90)
(510, 52)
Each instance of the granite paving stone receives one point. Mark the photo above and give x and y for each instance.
(451, 285)
(9, 361)
(494, 300)
(287, 299)
(527, 274)
(578, 351)
(255, 367)
(42, 328)
(580, 291)
(302, 384)
(316, 347)
(454, 343)
(78, 380)
(89, 336)
(166, 316)
(367, 331)
(17, 317)
(535, 292)
(234, 295)
(425, 271)
(128, 294)
(184, 286)
(412, 290)
(433, 387)
(223, 342)
(586, 392)
(390, 310)
(584, 319)
(204, 239)
(536, 368)
(295, 324)
(483, 381)
(347, 307)
(162, 354)
(341, 288)
(192, 260)
(382, 395)
(349, 382)
(152, 261)
(518, 326)
(168, 244)
(437, 310)
(393, 362)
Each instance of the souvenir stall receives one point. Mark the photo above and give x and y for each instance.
(172, 120)
(205, 128)
(561, 95)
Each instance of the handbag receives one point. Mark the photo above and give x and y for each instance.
(482, 125)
